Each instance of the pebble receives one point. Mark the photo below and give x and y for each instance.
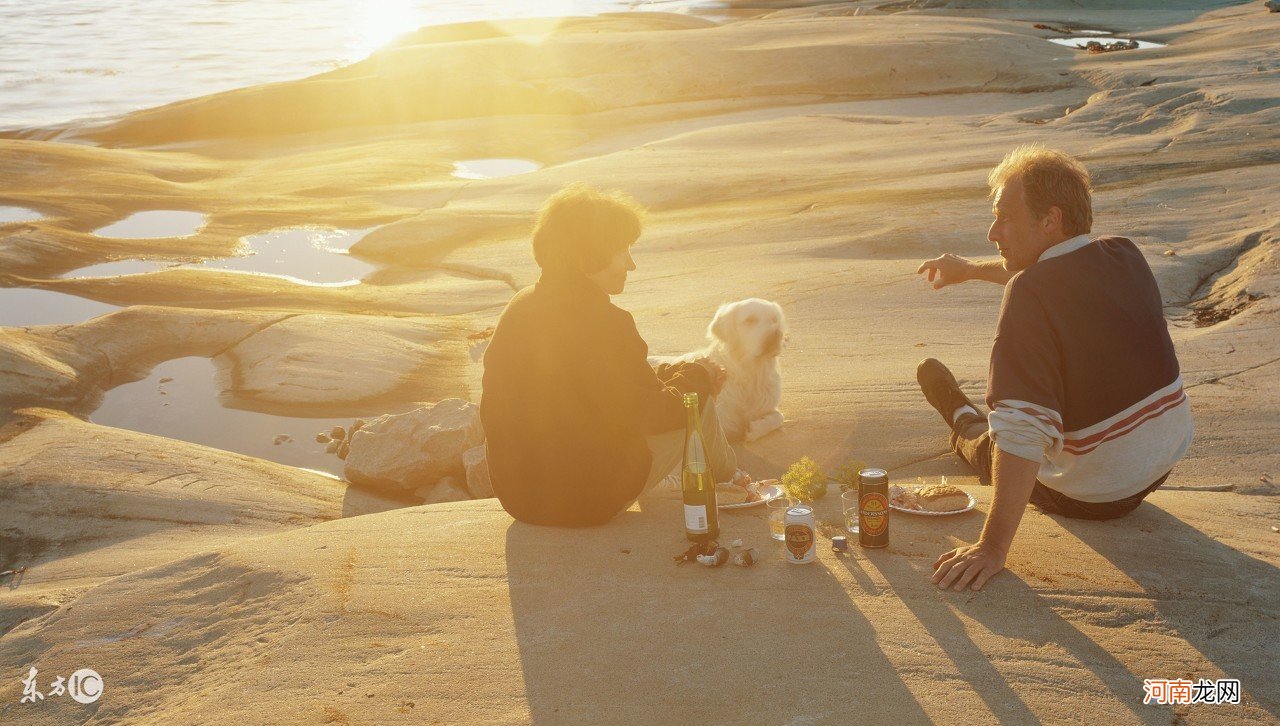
(283, 439)
(337, 432)
(322, 438)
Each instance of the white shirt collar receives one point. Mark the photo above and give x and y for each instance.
(1065, 247)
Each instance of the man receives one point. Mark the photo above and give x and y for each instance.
(1088, 414)
(577, 424)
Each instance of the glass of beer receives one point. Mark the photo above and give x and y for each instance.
(777, 516)
(849, 501)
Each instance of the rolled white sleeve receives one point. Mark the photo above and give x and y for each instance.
(1025, 430)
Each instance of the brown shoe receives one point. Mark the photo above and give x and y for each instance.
(941, 389)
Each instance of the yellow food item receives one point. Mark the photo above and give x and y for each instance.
(942, 498)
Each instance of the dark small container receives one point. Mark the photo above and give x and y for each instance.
(873, 508)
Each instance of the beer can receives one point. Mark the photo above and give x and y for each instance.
(873, 508)
(799, 530)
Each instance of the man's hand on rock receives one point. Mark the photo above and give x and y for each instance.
(969, 566)
(946, 270)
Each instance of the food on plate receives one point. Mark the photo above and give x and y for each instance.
(941, 498)
(727, 493)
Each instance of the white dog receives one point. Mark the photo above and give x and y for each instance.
(746, 338)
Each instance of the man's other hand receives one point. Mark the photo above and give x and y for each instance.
(946, 270)
(969, 567)
(717, 373)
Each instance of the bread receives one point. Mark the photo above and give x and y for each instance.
(730, 494)
(942, 498)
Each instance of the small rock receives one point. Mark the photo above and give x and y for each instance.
(322, 438)
(476, 463)
(407, 451)
(1272, 5)
(332, 448)
(337, 432)
(344, 448)
(166, 379)
(282, 439)
(448, 489)
(359, 424)
(1170, 253)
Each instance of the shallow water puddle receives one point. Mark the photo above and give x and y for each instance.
(312, 255)
(24, 306)
(154, 224)
(493, 168)
(1078, 42)
(119, 267)
(10, 215)
(180, 400)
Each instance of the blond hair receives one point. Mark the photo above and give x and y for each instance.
(582, 228)
(1050, 178)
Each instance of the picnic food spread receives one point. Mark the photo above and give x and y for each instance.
(932, 498)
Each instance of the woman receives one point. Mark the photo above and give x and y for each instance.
(577, 423)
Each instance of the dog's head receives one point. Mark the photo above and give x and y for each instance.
(749, 328)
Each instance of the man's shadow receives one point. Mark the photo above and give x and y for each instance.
(1176, 571)
(1221, 601)
(611, 630)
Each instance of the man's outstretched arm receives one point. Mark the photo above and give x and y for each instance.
(1013, 478)
(951, 269)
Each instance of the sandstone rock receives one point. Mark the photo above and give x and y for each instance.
(337, 432)
(337, 360)
(477, 466)
(448, 489)
(323, 438)
(403, 452)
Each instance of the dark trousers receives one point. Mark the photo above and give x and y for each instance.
(971, 441)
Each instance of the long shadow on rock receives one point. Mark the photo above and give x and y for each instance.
(610, 630)
(1223, 602)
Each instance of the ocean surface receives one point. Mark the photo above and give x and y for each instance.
(65, 60)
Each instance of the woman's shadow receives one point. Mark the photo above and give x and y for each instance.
(611, 630)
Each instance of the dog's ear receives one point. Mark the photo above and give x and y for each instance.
(722, 324)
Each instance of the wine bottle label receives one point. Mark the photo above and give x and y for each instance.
(695, 518)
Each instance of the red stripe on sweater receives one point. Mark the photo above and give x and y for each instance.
(1119, 429)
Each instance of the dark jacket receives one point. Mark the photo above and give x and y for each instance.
(568, 400)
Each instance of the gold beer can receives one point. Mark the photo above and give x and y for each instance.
(799, 529)
(873, 508)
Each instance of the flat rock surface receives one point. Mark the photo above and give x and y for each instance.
(811, 155)
(454, 613)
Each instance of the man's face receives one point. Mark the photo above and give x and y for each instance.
(613, 278)
(1019, 234)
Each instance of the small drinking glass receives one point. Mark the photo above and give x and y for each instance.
(777, 517)
(849, 500)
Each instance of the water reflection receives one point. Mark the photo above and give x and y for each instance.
(154, 224)
(180, 400)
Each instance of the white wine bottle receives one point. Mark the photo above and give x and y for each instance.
(700, 521)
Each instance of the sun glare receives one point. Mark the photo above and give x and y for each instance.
(380, 22)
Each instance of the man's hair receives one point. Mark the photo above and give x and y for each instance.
(1050, 178)
(582, 228)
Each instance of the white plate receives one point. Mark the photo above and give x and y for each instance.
(767, 494)
(972, 503)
